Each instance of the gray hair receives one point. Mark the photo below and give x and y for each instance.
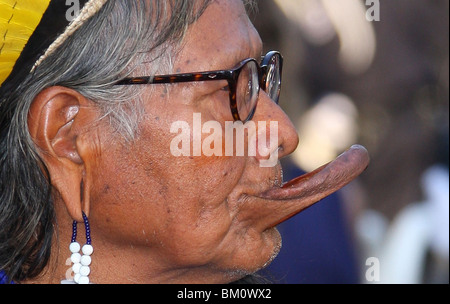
(111, 45)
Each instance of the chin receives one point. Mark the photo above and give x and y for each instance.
(275, 236)
(257, 259)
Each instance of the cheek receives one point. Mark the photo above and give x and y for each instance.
(176, 206)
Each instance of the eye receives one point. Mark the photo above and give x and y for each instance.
(225, 88)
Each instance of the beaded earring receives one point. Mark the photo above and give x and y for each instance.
(80, 262)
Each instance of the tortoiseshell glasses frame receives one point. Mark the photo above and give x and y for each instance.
(244, 82)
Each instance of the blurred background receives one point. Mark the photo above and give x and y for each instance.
(374, 73)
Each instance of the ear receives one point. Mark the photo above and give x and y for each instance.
(57, 123)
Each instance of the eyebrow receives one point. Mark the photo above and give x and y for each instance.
(256, 52)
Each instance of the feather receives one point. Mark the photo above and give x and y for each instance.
(18, 21)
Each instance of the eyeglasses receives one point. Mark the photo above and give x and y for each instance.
(244, 82)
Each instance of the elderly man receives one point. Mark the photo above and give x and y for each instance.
(95, 114)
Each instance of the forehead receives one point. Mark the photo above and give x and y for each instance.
(221, 37)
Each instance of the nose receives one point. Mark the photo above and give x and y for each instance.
(269, 112)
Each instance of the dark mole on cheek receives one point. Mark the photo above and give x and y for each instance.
(163, 190)
(106, 188)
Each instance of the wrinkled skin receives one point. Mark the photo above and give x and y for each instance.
(156, 218)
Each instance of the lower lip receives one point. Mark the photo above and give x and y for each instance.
(329, 178)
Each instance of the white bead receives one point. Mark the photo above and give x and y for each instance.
(83, 280)
(74, 247)
(76, 268)
(75, 257)
(87, 249)
(86, 260)
(77, 277)
(85, 270)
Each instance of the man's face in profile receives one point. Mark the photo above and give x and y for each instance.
(204, 219)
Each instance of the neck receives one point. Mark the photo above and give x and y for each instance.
(114, 263)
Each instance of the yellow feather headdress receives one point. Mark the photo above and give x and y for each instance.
(19, 19)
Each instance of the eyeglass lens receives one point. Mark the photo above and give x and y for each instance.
(247, 89)
(248, 85)
(273, 79)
